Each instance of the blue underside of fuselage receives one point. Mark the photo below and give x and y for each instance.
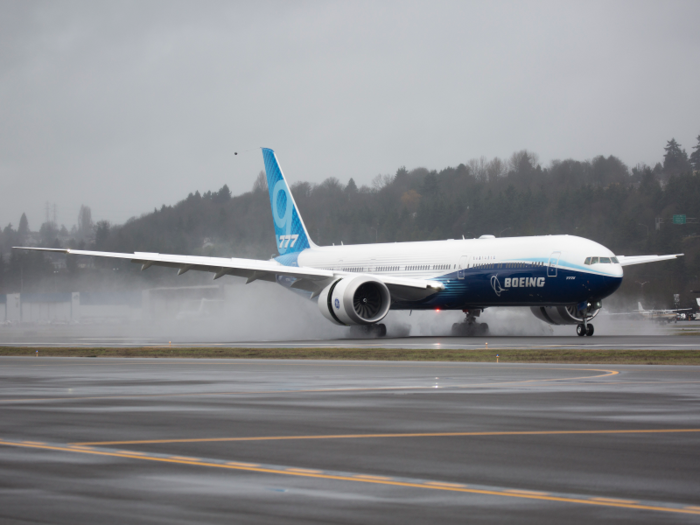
(481, 288)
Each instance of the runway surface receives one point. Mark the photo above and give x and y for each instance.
(245, 441)
(622, 342)
(638, 335)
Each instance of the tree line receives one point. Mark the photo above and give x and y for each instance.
(626, 209)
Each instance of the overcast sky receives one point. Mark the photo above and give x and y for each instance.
(125, 106)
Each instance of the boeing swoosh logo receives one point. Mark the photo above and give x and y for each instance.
(496, 285)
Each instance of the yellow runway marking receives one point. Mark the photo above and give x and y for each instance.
(532, 492)
(615, 500)
(409, 435)
(184, 458)
(379, 480)
(305, 470)
(445, 484)
(239, 464)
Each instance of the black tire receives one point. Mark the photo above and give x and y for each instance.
(580, 330)
(458, 330)
(590, 330)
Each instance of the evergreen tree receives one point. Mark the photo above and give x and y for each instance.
(85, 222)
(695, 156)
(351, 188)
(260, 184)
(675, 158)
(2, 272)
(101, 235)
(23, 229)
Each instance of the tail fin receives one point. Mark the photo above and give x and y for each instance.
(290, 231)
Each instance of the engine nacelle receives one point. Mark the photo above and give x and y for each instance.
(564, 314)
(355, 301)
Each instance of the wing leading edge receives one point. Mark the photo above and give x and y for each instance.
(643, 259)
(310, 279)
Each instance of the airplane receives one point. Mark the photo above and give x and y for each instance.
(660, 316)
(562, 278)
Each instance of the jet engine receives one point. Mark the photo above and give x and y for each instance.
(565, 314)
(358, 300)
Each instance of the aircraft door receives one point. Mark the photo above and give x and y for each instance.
(552, 266)
(463, 265)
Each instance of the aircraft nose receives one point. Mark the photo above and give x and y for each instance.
(609, 284)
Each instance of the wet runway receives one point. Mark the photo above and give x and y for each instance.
(681, 336)
(615, 336)
(620, 342)
(245, 441)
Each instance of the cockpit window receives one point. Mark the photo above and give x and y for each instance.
(601, 260)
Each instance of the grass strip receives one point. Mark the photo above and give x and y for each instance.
(575, 356)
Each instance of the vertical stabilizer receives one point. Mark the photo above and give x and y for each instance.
(290, 231)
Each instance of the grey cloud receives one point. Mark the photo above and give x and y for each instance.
(125, 106)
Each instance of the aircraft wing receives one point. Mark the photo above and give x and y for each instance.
(643, 259)
(310, 279)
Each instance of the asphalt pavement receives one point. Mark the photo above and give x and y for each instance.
(246, 441)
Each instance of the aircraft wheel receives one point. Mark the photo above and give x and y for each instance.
(380, 330)
(459, 329)
(580, 330)
(589, 330)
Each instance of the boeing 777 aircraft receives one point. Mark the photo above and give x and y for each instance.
(562, 278)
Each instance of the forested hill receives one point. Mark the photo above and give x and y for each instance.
(601, 199)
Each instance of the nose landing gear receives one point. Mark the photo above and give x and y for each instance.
(585, 328)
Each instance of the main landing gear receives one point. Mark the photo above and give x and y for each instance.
(584, 329)
(469, 327)
(368, 330)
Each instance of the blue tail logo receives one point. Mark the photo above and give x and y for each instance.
(290, 231)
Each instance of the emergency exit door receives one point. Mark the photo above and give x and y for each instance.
(463, 265)
(553, 262)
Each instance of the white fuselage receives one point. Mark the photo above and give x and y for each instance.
(484, 272)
